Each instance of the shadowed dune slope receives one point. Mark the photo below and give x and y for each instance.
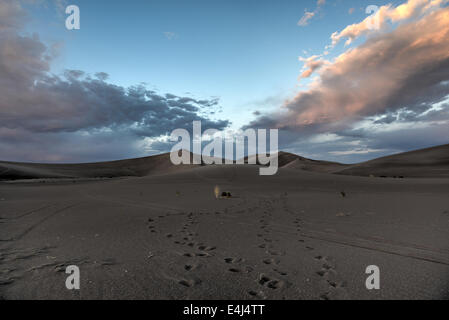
(430, 162)
(293, 161)
(159, 164)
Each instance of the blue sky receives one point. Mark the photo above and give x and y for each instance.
(245, 52)
(230, 64)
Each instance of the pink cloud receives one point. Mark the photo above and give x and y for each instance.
(385, 14)
(405, 68)
(311, 64)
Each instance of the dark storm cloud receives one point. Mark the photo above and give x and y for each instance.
(72, 103)
(11, 15)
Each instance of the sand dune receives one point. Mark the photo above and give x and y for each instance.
(431, 162)
(292, 161)
(159, 164)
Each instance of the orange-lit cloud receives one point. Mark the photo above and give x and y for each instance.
(311, 64)
(308, 15)
(385, 14)
(407, 67)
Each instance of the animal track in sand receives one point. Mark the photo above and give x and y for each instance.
(186, 237)
(233, 260)
(325, 296)
(258, 295)
(239, 268)
(274, 284)
(282, 273)
(206, 248)
(191, 267)
(198, 254)
(321, 273)
(326, 266)
(271, 261)
(203, 254)
(7, 281)
(275, 253)
(329, 274)
(151, 226)
(271, 251)
(268, 282)
(263, 279)
(189, 283)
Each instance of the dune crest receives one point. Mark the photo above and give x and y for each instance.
(429, 162)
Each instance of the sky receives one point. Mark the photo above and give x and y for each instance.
(339, 84)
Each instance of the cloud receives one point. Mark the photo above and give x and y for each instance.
(308, 15)
(356, 151)
(311, 64)
(170, 35)
(305, 18)
(366, 142)
(11, 15)
(406, 67)
(394, 79)
(43, 115)
(385, 14)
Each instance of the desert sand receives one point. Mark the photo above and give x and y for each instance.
(142, 229)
